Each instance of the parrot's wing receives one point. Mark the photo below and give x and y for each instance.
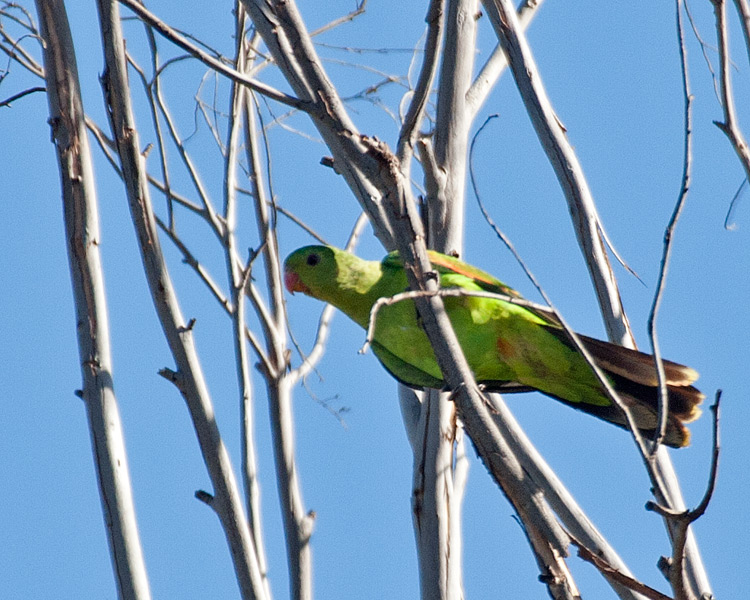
(456, 273)
(447, 265)
(413, 377)
(405, 372)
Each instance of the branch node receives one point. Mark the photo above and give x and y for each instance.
(188, 327)
(170, 375)
(664, 564)
(206, 498)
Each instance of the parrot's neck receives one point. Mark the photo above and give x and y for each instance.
(362, 287)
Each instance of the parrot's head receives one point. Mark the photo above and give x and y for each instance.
(310, 269)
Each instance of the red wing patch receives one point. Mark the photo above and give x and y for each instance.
(506, 349)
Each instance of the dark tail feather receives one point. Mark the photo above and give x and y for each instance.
(643, 402)
(634, 378)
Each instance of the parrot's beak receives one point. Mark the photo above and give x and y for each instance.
(293, 283)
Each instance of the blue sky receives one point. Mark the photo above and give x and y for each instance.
(612, 72)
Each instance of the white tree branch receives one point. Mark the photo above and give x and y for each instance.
(563, 159)
(373, 173)
(586, 222)
(80, 210)
(238, 276)
(189, 379)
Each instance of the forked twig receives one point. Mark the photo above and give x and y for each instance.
(682, 520)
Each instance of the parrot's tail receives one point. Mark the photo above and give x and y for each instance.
(634, 378)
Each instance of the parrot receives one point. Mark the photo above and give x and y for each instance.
(509, 347)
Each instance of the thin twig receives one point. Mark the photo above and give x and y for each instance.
(733, 205)
(340, 20)
(699, 510)
(154, 95)
(217, 65)
(210, 213)
(681, 520)
(704, 50)
(614, 574)
(19, 54)
(19, 95)
(668, 234)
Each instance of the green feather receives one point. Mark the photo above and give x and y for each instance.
(509, 347)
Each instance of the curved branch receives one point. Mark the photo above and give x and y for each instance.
(565, 163)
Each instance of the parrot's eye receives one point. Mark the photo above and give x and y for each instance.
(313, 259)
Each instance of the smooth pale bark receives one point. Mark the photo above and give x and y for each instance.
(238, 276)
(188, 378)
(80, 210)
(590, 237)
(374, 176)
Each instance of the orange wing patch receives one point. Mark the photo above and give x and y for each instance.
(444, 261)
(506, 349)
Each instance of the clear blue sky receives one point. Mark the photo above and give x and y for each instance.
(612, 72)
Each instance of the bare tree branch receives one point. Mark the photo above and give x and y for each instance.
(614, 574)
(189, 378)
(209, 60)
(560, 499)
(238, 276)
(298, 522)
(680, 521)
(496, 63)
(563, 159)
(19, 95)
(421, 94)
(669, 232)
(588, 230)
(364, 163)
(82, 233)
(12, 47)
(730, 125)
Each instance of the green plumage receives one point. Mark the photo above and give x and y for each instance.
(509, 348)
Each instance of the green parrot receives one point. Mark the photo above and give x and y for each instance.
(510, 348)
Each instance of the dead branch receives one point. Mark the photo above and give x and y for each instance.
(227, 502)
(668, 234)
(209, 60)
(730, 125)
(82, 233)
